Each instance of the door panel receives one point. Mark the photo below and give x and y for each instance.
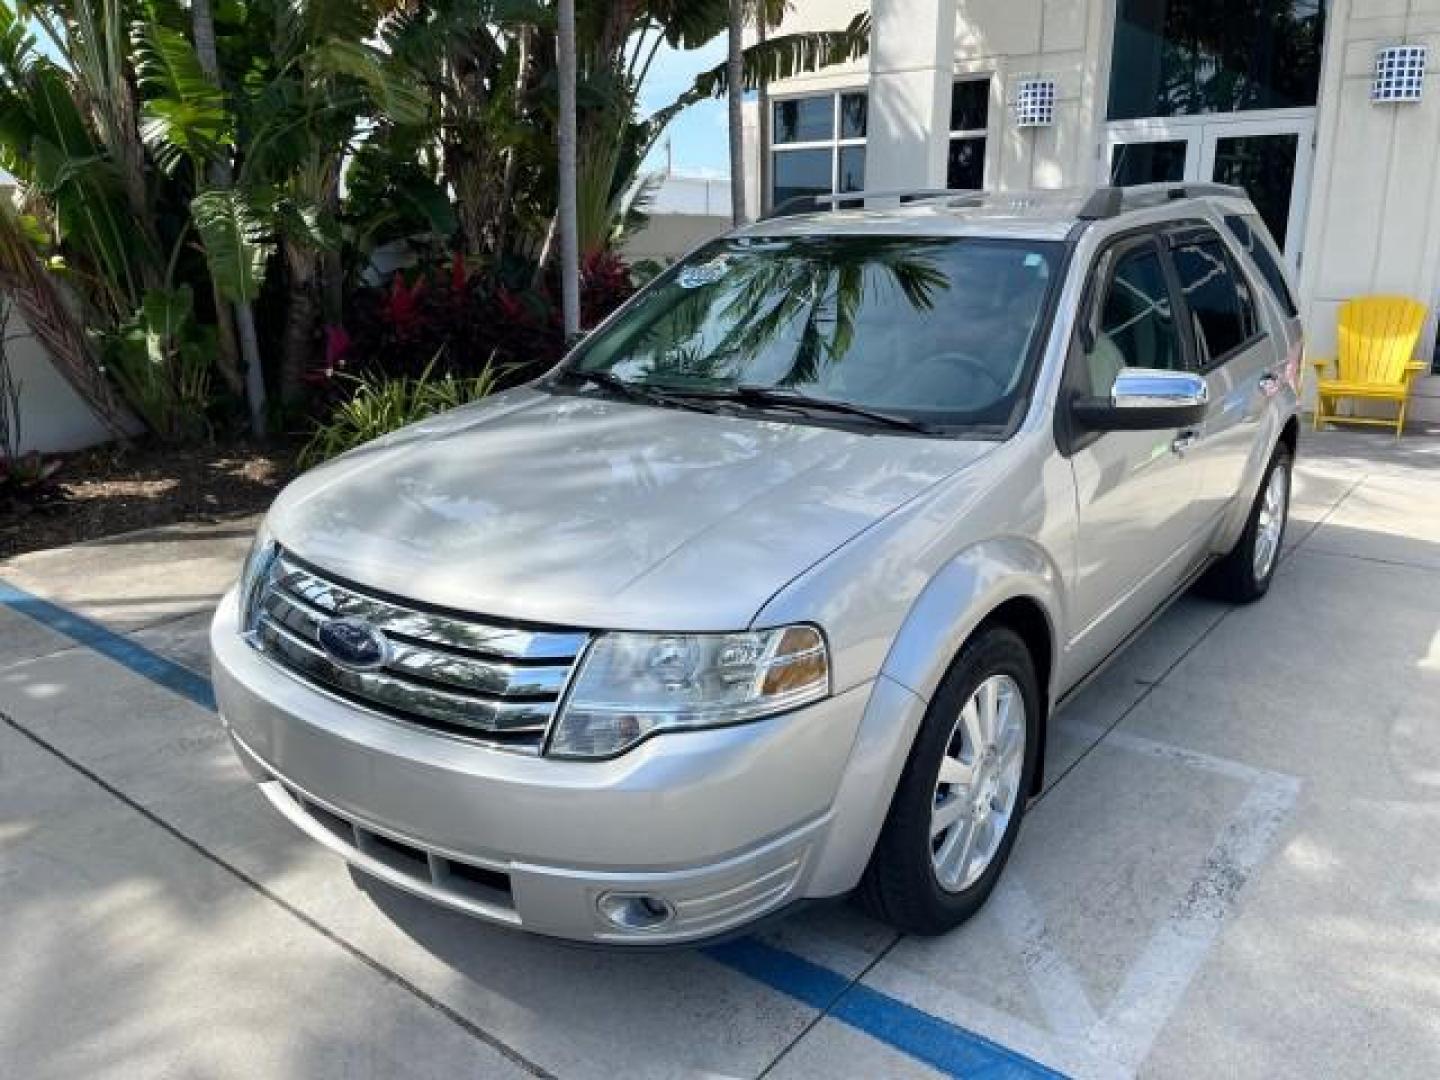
(1136, 535)
(1236, 348)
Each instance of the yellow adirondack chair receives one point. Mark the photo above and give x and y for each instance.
(1377, 361)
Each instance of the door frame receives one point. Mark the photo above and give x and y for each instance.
(1201, 134)
(1304, 128)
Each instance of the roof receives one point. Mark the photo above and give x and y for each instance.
(1034, 214)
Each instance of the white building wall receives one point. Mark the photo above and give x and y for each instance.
(1374, 222)
(910, 78)
(1063, 40)
(910, 70)
(53, 417)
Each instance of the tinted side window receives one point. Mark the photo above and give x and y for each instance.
(1220, 304)
(1137, 323)
(1244, 227)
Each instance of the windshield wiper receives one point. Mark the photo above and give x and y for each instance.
(634, 391)
(793, 399)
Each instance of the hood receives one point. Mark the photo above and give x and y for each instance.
(590, 512)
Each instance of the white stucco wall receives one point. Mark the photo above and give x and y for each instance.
(53, 418)
(1012, 40)
(1374, 223)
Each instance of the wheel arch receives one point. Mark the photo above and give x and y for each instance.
(1009, 582)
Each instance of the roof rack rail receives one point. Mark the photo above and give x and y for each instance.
(800, 204)
(1112, 200)
(1105, 202)
(1200, 190)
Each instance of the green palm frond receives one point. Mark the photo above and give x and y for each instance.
(788, 55)
(184, 114)
(780, 57)
(238, 240)
(396, 96)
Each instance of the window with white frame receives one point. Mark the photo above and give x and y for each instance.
(969, 123)
(817, 145)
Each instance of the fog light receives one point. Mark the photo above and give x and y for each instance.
(635, 911)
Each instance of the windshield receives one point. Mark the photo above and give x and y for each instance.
(940, 331)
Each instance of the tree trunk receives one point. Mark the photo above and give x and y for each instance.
(301, 310)
(762, 102)
(512, 152)
(735, 74)
(227, 346)
(202, 22)
(568, 213)
(254, 374)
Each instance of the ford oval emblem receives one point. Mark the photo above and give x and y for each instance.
(354, 644)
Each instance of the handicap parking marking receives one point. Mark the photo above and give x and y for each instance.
(1157, 982)
(1113, 1042)
(933, 1040)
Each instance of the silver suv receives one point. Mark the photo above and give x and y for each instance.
(768, 592)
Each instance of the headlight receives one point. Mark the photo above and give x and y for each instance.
(253, 576)
(630, 686)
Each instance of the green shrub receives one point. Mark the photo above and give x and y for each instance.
(382, 404)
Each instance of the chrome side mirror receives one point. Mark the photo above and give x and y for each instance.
(1154, 388)
(1146, 399)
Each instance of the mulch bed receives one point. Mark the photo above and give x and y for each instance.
(109, 490)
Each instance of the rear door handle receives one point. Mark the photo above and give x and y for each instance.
(1269, 384)
(1184, 441)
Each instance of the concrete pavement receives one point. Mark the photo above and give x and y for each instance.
(1232, 871)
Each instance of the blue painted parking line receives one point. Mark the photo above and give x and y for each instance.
(938, 1043)
(174, 677)
(943, 1046)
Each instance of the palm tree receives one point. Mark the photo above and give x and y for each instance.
(202, 22)
(735, 93)
(568, 209)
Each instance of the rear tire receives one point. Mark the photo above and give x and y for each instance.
(957, 808)
(1244, 575)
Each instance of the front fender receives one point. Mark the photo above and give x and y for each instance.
(960, 596)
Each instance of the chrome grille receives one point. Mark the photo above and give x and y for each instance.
(494, 683)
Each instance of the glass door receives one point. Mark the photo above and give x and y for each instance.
(1269, 157)
(1270, 160)
(1154, 152)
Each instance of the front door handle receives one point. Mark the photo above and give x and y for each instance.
(1184, 441)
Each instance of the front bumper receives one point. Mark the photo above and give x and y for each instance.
(725, 825)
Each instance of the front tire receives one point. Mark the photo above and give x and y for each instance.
(957, 808)
(1244, 575)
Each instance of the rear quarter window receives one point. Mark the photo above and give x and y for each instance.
(1245, 229)
(1216, 296)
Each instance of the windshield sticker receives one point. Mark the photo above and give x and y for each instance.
(695, 277)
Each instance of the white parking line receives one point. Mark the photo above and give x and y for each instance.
(1157, 982)
(1114, 1041)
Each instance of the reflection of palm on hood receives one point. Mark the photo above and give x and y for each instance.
(592, 512)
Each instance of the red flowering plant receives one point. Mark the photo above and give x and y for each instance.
(453, 319)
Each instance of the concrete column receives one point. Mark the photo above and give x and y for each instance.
(912, 64)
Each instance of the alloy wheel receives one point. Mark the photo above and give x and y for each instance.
(1274, 505)
(979, 783)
